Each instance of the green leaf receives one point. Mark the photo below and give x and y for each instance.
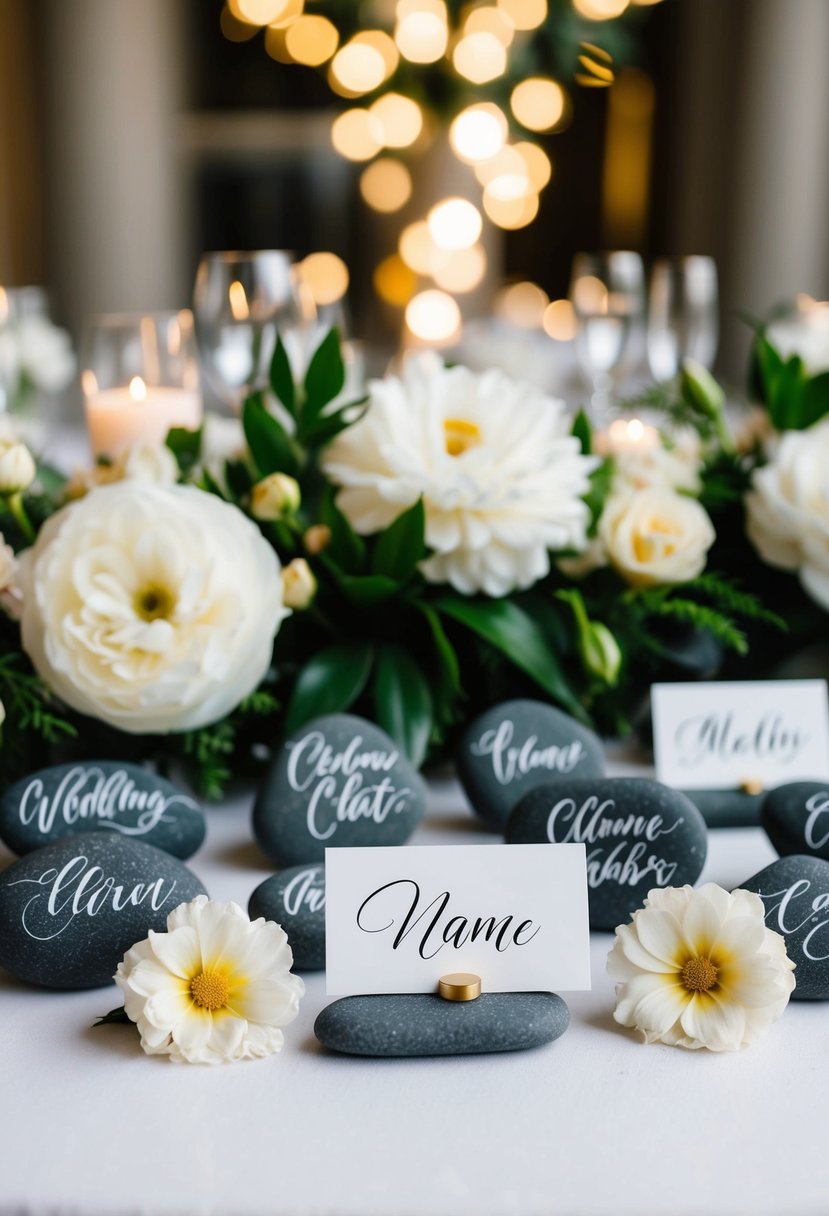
(784, 404)
(769, 366)
(448, 659)
(269, 442)
(282, 378)
(325, 377)
(115, 1017)
(347, 549)
(814, 401)
(515, 634)
(329, 426)
(583, 432)
(403, 701)
(369, 588)
(398, 550)
(329, 683)
(238, 478)
(185, 446)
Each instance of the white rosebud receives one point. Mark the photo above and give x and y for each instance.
(317, 538)
(656, 537)
(299, 584)
(275, 496)
(153, 463)
(17, 467)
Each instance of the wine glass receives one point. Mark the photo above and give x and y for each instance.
(683, 317)
(607, 291)
(241, 302)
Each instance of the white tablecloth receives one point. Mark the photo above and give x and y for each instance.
(595, 1123)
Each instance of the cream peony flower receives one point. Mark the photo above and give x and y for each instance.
(501, 479)
(700, 969)
(153, 608)
(788, 509)
(653, 537)
(215, 987)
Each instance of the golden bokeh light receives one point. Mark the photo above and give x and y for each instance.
(401, 119)
(600, 10)
(510, 187)
(454, 223)
(538, 103)
(357, 134)
(311, 40)
(386, 185)
(384, 43)
(276, 45)
(433, 316)
(560, 321)
(357, 68)
(510, 213)
(394, 282)
(590, 296)
(422, 36)
(325, 276)
(234, 29)
(524, 14)
(491, 21)
(419, 251)
(257, 12)
(522, 305)
(480, 57)
(479, 132)
(507, 161)
(287, 14)
(538, 164)
(463, 271)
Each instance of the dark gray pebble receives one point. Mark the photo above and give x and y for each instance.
(796, 818)
(795, 891)
(295, 899)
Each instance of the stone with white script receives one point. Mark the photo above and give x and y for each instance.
(100, 795)
(295, 899)
(71, 910)
(795, 891)
(796, 818)
(637, 835)
(423, 1025)
(516, 746)
(337, 783)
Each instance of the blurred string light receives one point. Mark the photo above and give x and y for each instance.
(522, 305)
(325, 277)
(434, 317)
(386, 185)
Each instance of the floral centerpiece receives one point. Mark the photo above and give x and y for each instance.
(451, 540)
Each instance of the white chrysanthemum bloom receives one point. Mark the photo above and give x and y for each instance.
(215, 987)
(788, 509)
(700, 969)
(153, 608)
(501, 478)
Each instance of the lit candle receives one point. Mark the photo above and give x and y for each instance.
(631, 435)
(116, 418)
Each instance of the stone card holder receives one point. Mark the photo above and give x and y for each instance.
(796, 818)
(795, 892)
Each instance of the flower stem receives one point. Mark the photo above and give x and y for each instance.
(14, 502)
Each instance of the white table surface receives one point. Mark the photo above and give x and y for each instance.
(594, 1123)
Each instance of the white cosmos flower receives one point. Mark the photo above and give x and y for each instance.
(215, 987)
(700, 969)
(151, 607)
(501, 478)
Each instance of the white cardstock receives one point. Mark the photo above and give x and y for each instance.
(717, 736)
(397, 919)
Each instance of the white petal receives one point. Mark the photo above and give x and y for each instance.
(661, 935)
(652, 1003)
(717, 1024)
(178, 951)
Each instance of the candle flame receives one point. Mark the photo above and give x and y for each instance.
(138, 389)
(238, 301)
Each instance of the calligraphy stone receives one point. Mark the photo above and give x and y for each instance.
(424, 1025)
(516, 746)
(638, 834)
(796, 818)
(71, 910)
(295, 899)
(338, 782)
(99, 795)
(795, 891)
(727, 808)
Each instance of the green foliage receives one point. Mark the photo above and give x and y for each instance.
(794, 399)
(329, 683)
(115, 1017)
(399, 549)
(269, 443)
(403, 701)
(186, 446)
(583, 431)
(212, 754)
(34, 722)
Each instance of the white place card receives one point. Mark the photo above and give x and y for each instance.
(718, 736)
(397, 919)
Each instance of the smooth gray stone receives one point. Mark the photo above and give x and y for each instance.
(337, 783)
(795, 891)
(423, 1025)
(638, 835)
(518, 745)
(796, 818)
(100, 795)
(71, 910)
(727, 808)
(295, 899)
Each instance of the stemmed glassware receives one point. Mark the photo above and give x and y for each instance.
(607, 291)
(241, 302)
(683, 319)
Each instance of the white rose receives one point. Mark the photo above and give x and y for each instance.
(153, 608)
(653, 537)
(17, 467)
(677, 468)
(788, 509)
(805, 334)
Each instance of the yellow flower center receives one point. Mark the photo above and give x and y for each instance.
(210, 990)
(460, 436)
(699, 974)
(655, 542)
(154, 602)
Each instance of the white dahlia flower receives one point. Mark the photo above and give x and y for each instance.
(501, 478)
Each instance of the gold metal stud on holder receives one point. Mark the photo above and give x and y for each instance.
(752, 785)
(460, 986)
